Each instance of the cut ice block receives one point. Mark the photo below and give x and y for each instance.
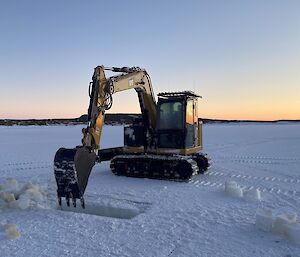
(233, 189)
(252, 195)
(264, 219)
(293, 232)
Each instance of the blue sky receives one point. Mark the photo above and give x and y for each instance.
(242, 56)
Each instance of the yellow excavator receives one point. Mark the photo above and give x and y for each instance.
(165, 143)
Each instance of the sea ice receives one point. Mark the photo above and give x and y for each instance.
(275, 147)
(264, 219)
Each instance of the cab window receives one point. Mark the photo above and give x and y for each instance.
(171, 115)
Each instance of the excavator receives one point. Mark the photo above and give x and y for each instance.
(165, 143)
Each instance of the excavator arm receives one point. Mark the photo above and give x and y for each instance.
(101, 92)
(72, 167)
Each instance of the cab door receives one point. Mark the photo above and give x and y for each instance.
(196, 123)
(192, 127)
(190, 124)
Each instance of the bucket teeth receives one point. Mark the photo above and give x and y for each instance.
(82, 202)
(59, 201)
(68, 201)
(74, 202)
(72, 168)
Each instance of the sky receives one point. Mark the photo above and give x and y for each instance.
(243, 57)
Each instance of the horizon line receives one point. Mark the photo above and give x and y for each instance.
(128, 113)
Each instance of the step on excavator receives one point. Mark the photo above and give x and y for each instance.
(165, 143)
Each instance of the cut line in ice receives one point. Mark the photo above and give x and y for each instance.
(105, 210)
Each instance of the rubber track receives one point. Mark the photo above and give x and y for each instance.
(178, 168)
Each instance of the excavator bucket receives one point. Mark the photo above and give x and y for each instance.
(72, 168)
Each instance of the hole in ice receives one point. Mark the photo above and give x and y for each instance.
(106, 210)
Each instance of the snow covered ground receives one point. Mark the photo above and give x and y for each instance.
(152, 217)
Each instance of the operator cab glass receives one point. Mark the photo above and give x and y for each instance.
(171, 115)
(171, 123)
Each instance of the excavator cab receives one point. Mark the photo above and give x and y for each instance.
(177, 125)
(177, 120)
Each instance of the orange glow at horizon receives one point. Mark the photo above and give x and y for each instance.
(287, 109)
(267, 100)
(221, 114)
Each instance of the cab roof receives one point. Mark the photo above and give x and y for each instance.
(179, 94)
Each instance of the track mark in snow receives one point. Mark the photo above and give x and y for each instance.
(258, 160)
(27, 168)
(233, 175)
(263, 189)
(24, 163)
(198, 183)
(254, 158)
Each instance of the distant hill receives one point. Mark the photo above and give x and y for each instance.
(112, 119)
(247, 121)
